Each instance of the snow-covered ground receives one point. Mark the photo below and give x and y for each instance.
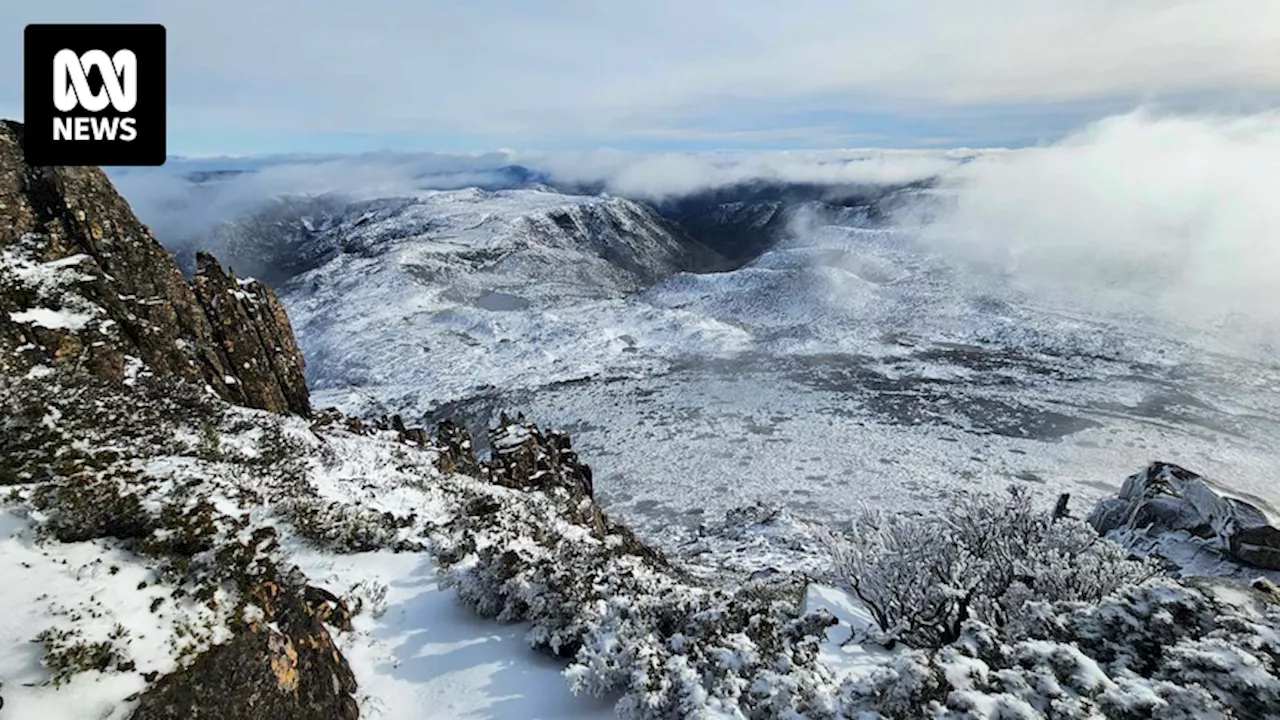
(112, 613)
(427, 656)
(846, 368)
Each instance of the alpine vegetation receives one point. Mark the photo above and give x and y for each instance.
(923, 578)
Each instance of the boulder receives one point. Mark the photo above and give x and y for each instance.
(283, 667)
(1165, 498)
(527, 458)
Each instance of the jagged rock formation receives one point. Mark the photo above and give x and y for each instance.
(83, 283)
(1165, 498)
(527, 458)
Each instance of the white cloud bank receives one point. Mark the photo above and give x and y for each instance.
(664, 175)
(179, 211)
(1166, 216)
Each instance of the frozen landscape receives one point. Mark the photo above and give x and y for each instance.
(816, 434)
(649, 360)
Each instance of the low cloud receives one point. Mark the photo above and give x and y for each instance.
(663, 176)
(186, 198)
(183, 212)
(1146, 216)
(1139, 215)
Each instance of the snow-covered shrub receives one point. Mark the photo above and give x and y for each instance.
(633, 624)
(1163, 649)
(367, 596)
(67, 653)
(923, 577)
(346, 528)
(87, 506)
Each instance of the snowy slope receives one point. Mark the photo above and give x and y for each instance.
(138, 581)
(472, 241)
(462, 279)
(415, 651)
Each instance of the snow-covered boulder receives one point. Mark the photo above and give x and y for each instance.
(1166, 499)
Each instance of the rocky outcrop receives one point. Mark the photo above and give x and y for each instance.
(253, 333)
(83, 283)
(527, 458)
(1167, 499)
(283, 666)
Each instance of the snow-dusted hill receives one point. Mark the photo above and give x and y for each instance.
(470, 242)
(430, 296)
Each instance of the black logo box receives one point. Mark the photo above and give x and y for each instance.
(41, 43)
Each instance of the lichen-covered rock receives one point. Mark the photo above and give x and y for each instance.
(527, 458)
(283, 666)
(457, 451)
(83, 283)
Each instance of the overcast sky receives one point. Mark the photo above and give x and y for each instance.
(260, 76)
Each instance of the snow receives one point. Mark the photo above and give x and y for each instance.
(88, 588)
(418, 651)
(39, 371)
(52, 274)
(847, 367)
(841, 371)
(850, 661)
(52, 319)
(47, 283)
(428, 657)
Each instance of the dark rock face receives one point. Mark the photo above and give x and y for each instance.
(254, 335)
(84, 283)
(1166, 498)
(291, 671)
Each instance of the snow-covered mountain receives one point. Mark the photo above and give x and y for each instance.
(467, 242)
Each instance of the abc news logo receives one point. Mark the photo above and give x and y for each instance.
(94, 95)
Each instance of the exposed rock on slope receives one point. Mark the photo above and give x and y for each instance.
(254, 336)
(1164, 501)
(83, 283)
(285, 669)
